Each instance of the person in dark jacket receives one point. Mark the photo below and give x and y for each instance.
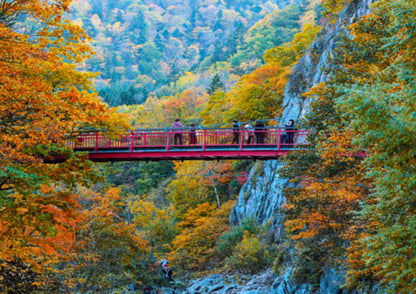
(259, 132)
(236, 132)
(291, 128)
(192, 135)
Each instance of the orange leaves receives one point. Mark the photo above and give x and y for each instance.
(43, 99)
(322, 208)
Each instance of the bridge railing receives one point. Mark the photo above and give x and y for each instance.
(200, 139)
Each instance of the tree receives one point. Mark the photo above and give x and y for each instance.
(216, 84)
(44, 101)
(197, 183)
(382, 116)
(110, 250)
(193, 247)
(368, 100)
(158, 225)
(260, 94)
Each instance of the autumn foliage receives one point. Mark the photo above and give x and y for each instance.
(44, 100)
(194, 247)
(259, 94)
(361, 208)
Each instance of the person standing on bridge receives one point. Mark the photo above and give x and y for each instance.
(236, 132)
(177, 129)
(192, 135)
(249, 133)
(291, 131)
(259, 132)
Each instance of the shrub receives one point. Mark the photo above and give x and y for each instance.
(230, 239)
(250, 256)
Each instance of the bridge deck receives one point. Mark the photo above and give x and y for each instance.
(208, 144)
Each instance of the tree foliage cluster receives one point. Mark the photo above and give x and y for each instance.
(143, 48)
(259, 94)
(44, 101)
(359, 212)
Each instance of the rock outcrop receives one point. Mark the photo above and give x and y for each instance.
(261, 197)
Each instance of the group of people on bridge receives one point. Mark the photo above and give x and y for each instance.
(252, 134)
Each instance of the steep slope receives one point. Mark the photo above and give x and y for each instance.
(255, 197)
(261, 200)
(262, 197)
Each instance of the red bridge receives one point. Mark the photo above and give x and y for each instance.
(200, 144)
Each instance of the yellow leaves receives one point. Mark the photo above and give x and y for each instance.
(334, 7)
(158, 113)
(249, 256)
(198, 182)
(192, 247)
(193, 216)
(22, 210)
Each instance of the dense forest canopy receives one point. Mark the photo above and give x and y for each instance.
(144, 47)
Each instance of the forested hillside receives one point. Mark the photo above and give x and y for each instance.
(144, 47)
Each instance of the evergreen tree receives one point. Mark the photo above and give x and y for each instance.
(216, 84)
(159, 42)
(177, 33)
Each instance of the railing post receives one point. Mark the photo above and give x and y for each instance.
(144, 139)
(168, 141)
(132, 142)
(279, 134)
(241, 139)
(204, 145)
(96, 142)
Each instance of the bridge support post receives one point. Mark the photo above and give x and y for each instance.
(96, 143)
(204, 142)
(168, 141)
(132, 142)
(241, 139)
(279, 137)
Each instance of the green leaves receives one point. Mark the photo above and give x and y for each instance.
(371, 97)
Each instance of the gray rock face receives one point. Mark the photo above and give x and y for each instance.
(331, 281)
(314, 67)
(259, 284)
(283, 285)
(261, 197)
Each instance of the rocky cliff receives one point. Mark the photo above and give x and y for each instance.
(261, 197)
